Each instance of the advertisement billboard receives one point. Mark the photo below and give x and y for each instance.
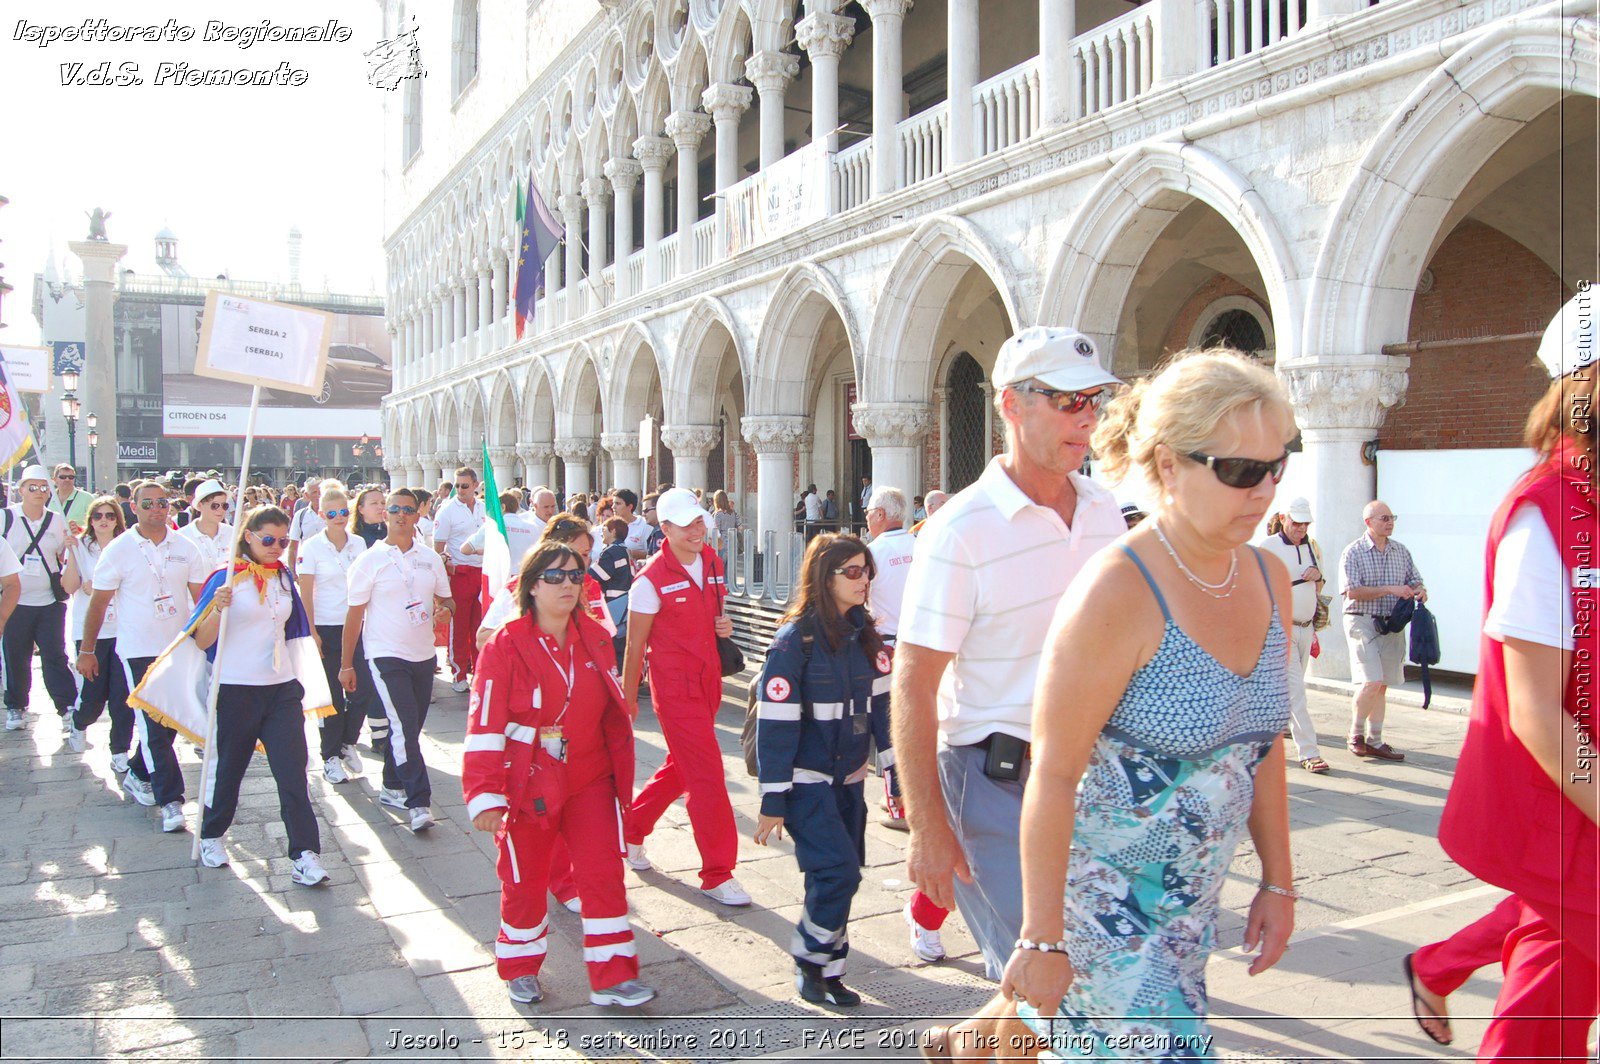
(359, 375)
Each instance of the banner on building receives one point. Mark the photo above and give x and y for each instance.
(344, 405)
(778, 199)
(136, 452)
(27, 368)
(67, 357)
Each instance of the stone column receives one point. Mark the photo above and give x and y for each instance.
(653, 153)
(458, 308)
(99, 380)
(596, 191)
(500, 297)
(690, 444)
(1339, 407)
(572, 212)
(575, 452)
(535, 458)
(486, 305)
(895, 432)
(624, 175)
(627, 468)
(476, 297)
(824, 38)
(775, 438)
(687, 129)
(988, 420)
(770, 73)
(500, 459)
(725, 104)
(962, 44)
(941, 399)
(1058, 24)
(888, 91)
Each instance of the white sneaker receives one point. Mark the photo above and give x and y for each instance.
(119, 762)
(728, 892)
(139, 790)
(637, 860)
(333, 771)
(629, 993)
(172, 816)
(212, 855)
(392, 797)
(524, 990)
(308, 870)
(14, 719)
(574, 905)
(66, 723)
(459, 686)
(352, 760)
(75, 739)
(421, 819)
(926, 944)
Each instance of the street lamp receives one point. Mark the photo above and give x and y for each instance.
(94, 441)
(69, 410)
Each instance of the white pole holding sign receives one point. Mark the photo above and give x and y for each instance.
(257, 343)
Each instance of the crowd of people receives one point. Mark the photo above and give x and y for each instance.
(1115, 679)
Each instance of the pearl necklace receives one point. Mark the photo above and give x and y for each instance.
(1229, 582)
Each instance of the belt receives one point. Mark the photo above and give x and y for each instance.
(983, 744)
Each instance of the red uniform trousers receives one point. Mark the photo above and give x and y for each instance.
(466, 588)
(1443, 966)
(588, 824)
(687, 709)
(1551, 993)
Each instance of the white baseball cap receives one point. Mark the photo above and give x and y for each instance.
(1055, 357)
(34, 472)
(1568, 343)
(208, 489)
(1299, 510)
(678, 506)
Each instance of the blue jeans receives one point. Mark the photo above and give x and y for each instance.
(985, 814)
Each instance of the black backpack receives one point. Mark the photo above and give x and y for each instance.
(1424, 650)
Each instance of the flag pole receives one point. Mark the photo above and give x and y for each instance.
(208, 755)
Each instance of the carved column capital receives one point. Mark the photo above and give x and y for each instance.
(621, 446)
(690, 441)
(574, 448)
(771, 71)
(653, 153)
(687, 129)
(775, 433)
(725, 103)
(1351, 394)
(502, 454)
(624, 175)
(881, 9)
(572, 206)
(536, 453)
(824, 35)
(893, 424)
(595, 191)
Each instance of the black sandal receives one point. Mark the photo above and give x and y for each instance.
(1419, 1007)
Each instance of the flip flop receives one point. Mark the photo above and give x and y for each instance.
(1314, 765)
(1419, 1007)
(935, 1043)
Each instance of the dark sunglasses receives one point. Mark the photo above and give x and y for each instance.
(270, 541)
(66, 476)
(1068, 402)
(555, 576)
(336, 513)
(402, 509)
(154, 504)
(1242, 472)
(853, 572)
(465, 487)
(104, 515)
(216, 506)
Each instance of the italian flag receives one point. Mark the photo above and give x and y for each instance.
(496, 551)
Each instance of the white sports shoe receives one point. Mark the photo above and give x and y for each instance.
(212, 855)
(75, 738)
(66, 723)
(926, 944)
(421, 819)
(14, 719)
(333, 771)
(308, 870)
(637, 859)
(172, 816)
(728, 892)
(459, 686)
(352, 760)
(392, 797)
(119, 762)
(629, 993)
(138, 790)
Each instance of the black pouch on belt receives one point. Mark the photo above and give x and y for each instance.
(1004, 758)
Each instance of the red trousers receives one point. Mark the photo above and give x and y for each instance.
(466, 588)
(687, 710)
(1551, 993)
(1443, 966)
(589, 826)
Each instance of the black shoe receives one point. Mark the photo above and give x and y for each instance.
(808, 980)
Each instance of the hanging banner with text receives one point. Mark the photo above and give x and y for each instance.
(790, 194)
(27, 368)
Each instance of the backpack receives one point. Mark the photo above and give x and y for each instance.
(1424, 650)
(752, 712)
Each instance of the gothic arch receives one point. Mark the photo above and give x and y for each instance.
(638, 357)
(780, 378)
(698, 359)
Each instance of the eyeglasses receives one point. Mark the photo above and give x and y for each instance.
(1242, 472)
(216, 506)
(104, 515)
(154, 504)
(1066, 402)
(37, 489)
(853, 572)
(401, 510)
(270, 541)
(1387, 517)
(331, 514)
(555, 576)
(465, 487)
(66, 476)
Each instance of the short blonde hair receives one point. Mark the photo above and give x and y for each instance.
(1181, 405)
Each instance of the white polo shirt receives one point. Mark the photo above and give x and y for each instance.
(256, 634)
(1295, 558)
(989, 569)
(891, 553)
(329, 569)
(454, 525)
(213, 549)
(638, 534)
(78, 605)
(386, 580)
(522, 532)
(305, 523)
(38, 563)
(152, 585)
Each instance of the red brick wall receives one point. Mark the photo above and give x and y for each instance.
(1484, 284)
(1219, 287)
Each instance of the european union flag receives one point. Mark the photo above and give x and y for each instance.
(540, 237)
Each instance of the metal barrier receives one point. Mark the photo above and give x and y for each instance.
(765, 576)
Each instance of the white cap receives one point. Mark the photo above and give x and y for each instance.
(1299, 510)
(1055, 357)
(208, 489)
(678, 506)
(34, 472)
(1568, 343)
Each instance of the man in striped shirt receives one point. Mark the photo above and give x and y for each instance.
(1378, 572)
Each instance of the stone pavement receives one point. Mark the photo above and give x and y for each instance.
(114, 943)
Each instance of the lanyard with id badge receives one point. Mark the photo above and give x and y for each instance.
(165, 607)
(419, 614)
(553, 737)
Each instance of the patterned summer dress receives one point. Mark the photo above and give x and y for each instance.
(1160, 811)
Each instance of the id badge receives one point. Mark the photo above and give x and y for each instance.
(554, 741)
(418, 614)
(33, 561)
(165, 607)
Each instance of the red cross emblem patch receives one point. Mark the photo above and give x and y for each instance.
(778, 689)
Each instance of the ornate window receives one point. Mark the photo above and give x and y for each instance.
(965, 421)
(1237, 322)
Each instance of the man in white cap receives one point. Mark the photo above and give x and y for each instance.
(989, 568)
(1293, 546)
(675, 610)
(39, 538)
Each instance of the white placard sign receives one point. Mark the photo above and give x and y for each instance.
(253, 341)
(647, 437)
(27, 368)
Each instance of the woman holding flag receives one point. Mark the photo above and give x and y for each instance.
(260, 699)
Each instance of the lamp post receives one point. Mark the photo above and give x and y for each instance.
(70, 408)
(94, 441)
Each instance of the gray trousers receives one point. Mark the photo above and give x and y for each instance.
(985, 814)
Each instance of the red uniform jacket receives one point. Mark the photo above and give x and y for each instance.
(683, 639)
(515, 692)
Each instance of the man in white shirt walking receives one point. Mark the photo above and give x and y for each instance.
(306, 521)
(454, 523)
(891, 547)
(39, 538)
(1292, 545)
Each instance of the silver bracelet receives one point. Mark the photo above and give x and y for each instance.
(1282, 892)
(1042, 947)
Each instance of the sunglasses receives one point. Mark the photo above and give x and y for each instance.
(216, 506)
(1387, 517)
(66, 476)
(154, 504)
(1068, 402)
(270, 541)
(401, 510)
(336, 513)
(555, 576)
(465, 487)
(38, 489)
(106, 515)
(1242, 472)
(853, 572)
